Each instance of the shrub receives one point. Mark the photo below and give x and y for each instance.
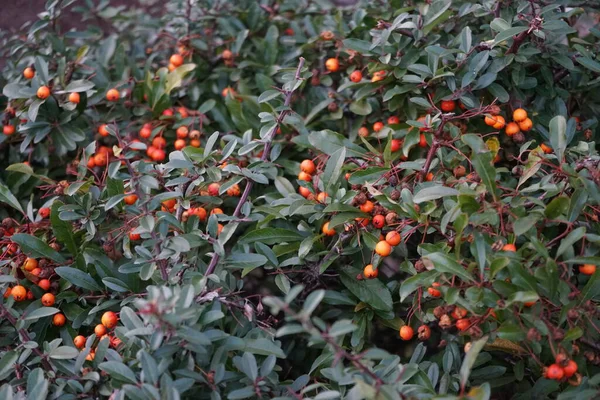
(299, 200)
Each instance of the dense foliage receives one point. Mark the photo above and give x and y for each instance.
(292, 199)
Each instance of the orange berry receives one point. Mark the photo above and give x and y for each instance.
(303, 176)
(500, 122)
(182, 132)
(519, 115)
(304, 192)
(326, 230)
(356, 76)
(377, 126)
(463, 324)
(43, 92)
(406, 332)
(170, 203)
(448, 105)
(367, 206)
(228, 91)
(44, 212)
(555, 372)
(213, 189)
(74, 98)
(332, 65)
(422, 140)
(378, 76)
(424, 332)
(529, 303)
(134, 236)
(526, 125)
(570, 369)
(30, 264)
(176, 60)
(79, 341)
(322, 197)
(195, 143)
(59, 319)
(7, 292)
(28, 73)
(103, 131)
(109, 319)
(19, 292)
(429, 177)
(36, 272)
(159, 142)
(509, 247)
(227, 54)
(379, 221)
(393, 120)
(146, 131)
(216, 211)
(179, 144)
(393, 238)
(201, 213)
(91, 355)
(158, 155)
(100, 330)
(383, 248)
(545, 148)
(44, 284)
(434, 292)
(308, 166)
(490, 120)
(48, 300)
(587, 269)
(369, 272)
(183, 112)
(363, 131)
(512, 128)
(30, 295)
(101, 159)
(130, 199)
(234, 191)
(8, 130)
(396, 145)
(113, 95)
(459, 313)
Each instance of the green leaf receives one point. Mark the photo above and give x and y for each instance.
(78, 278)
(558, 135)
(175, 77)
(509, 33)
(590, 64)
(411, 284)
(444, 263)
(333, 169)
(371, 291)
(486, 171)
(40, 313)
(63, 230)
(470, 358)
(522, 225)
(372, 175)
(591, 290)
(7, 197)
(264, 347)
(37, 248)
(7, 363)
(119, 371)
(433, 193)
(63, 353)
(572, 238)
(271, 236)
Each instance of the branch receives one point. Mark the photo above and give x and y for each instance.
(268, 143)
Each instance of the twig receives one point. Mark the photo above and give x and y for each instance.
(269, 141)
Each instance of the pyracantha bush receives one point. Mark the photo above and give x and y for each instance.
(298, 199)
